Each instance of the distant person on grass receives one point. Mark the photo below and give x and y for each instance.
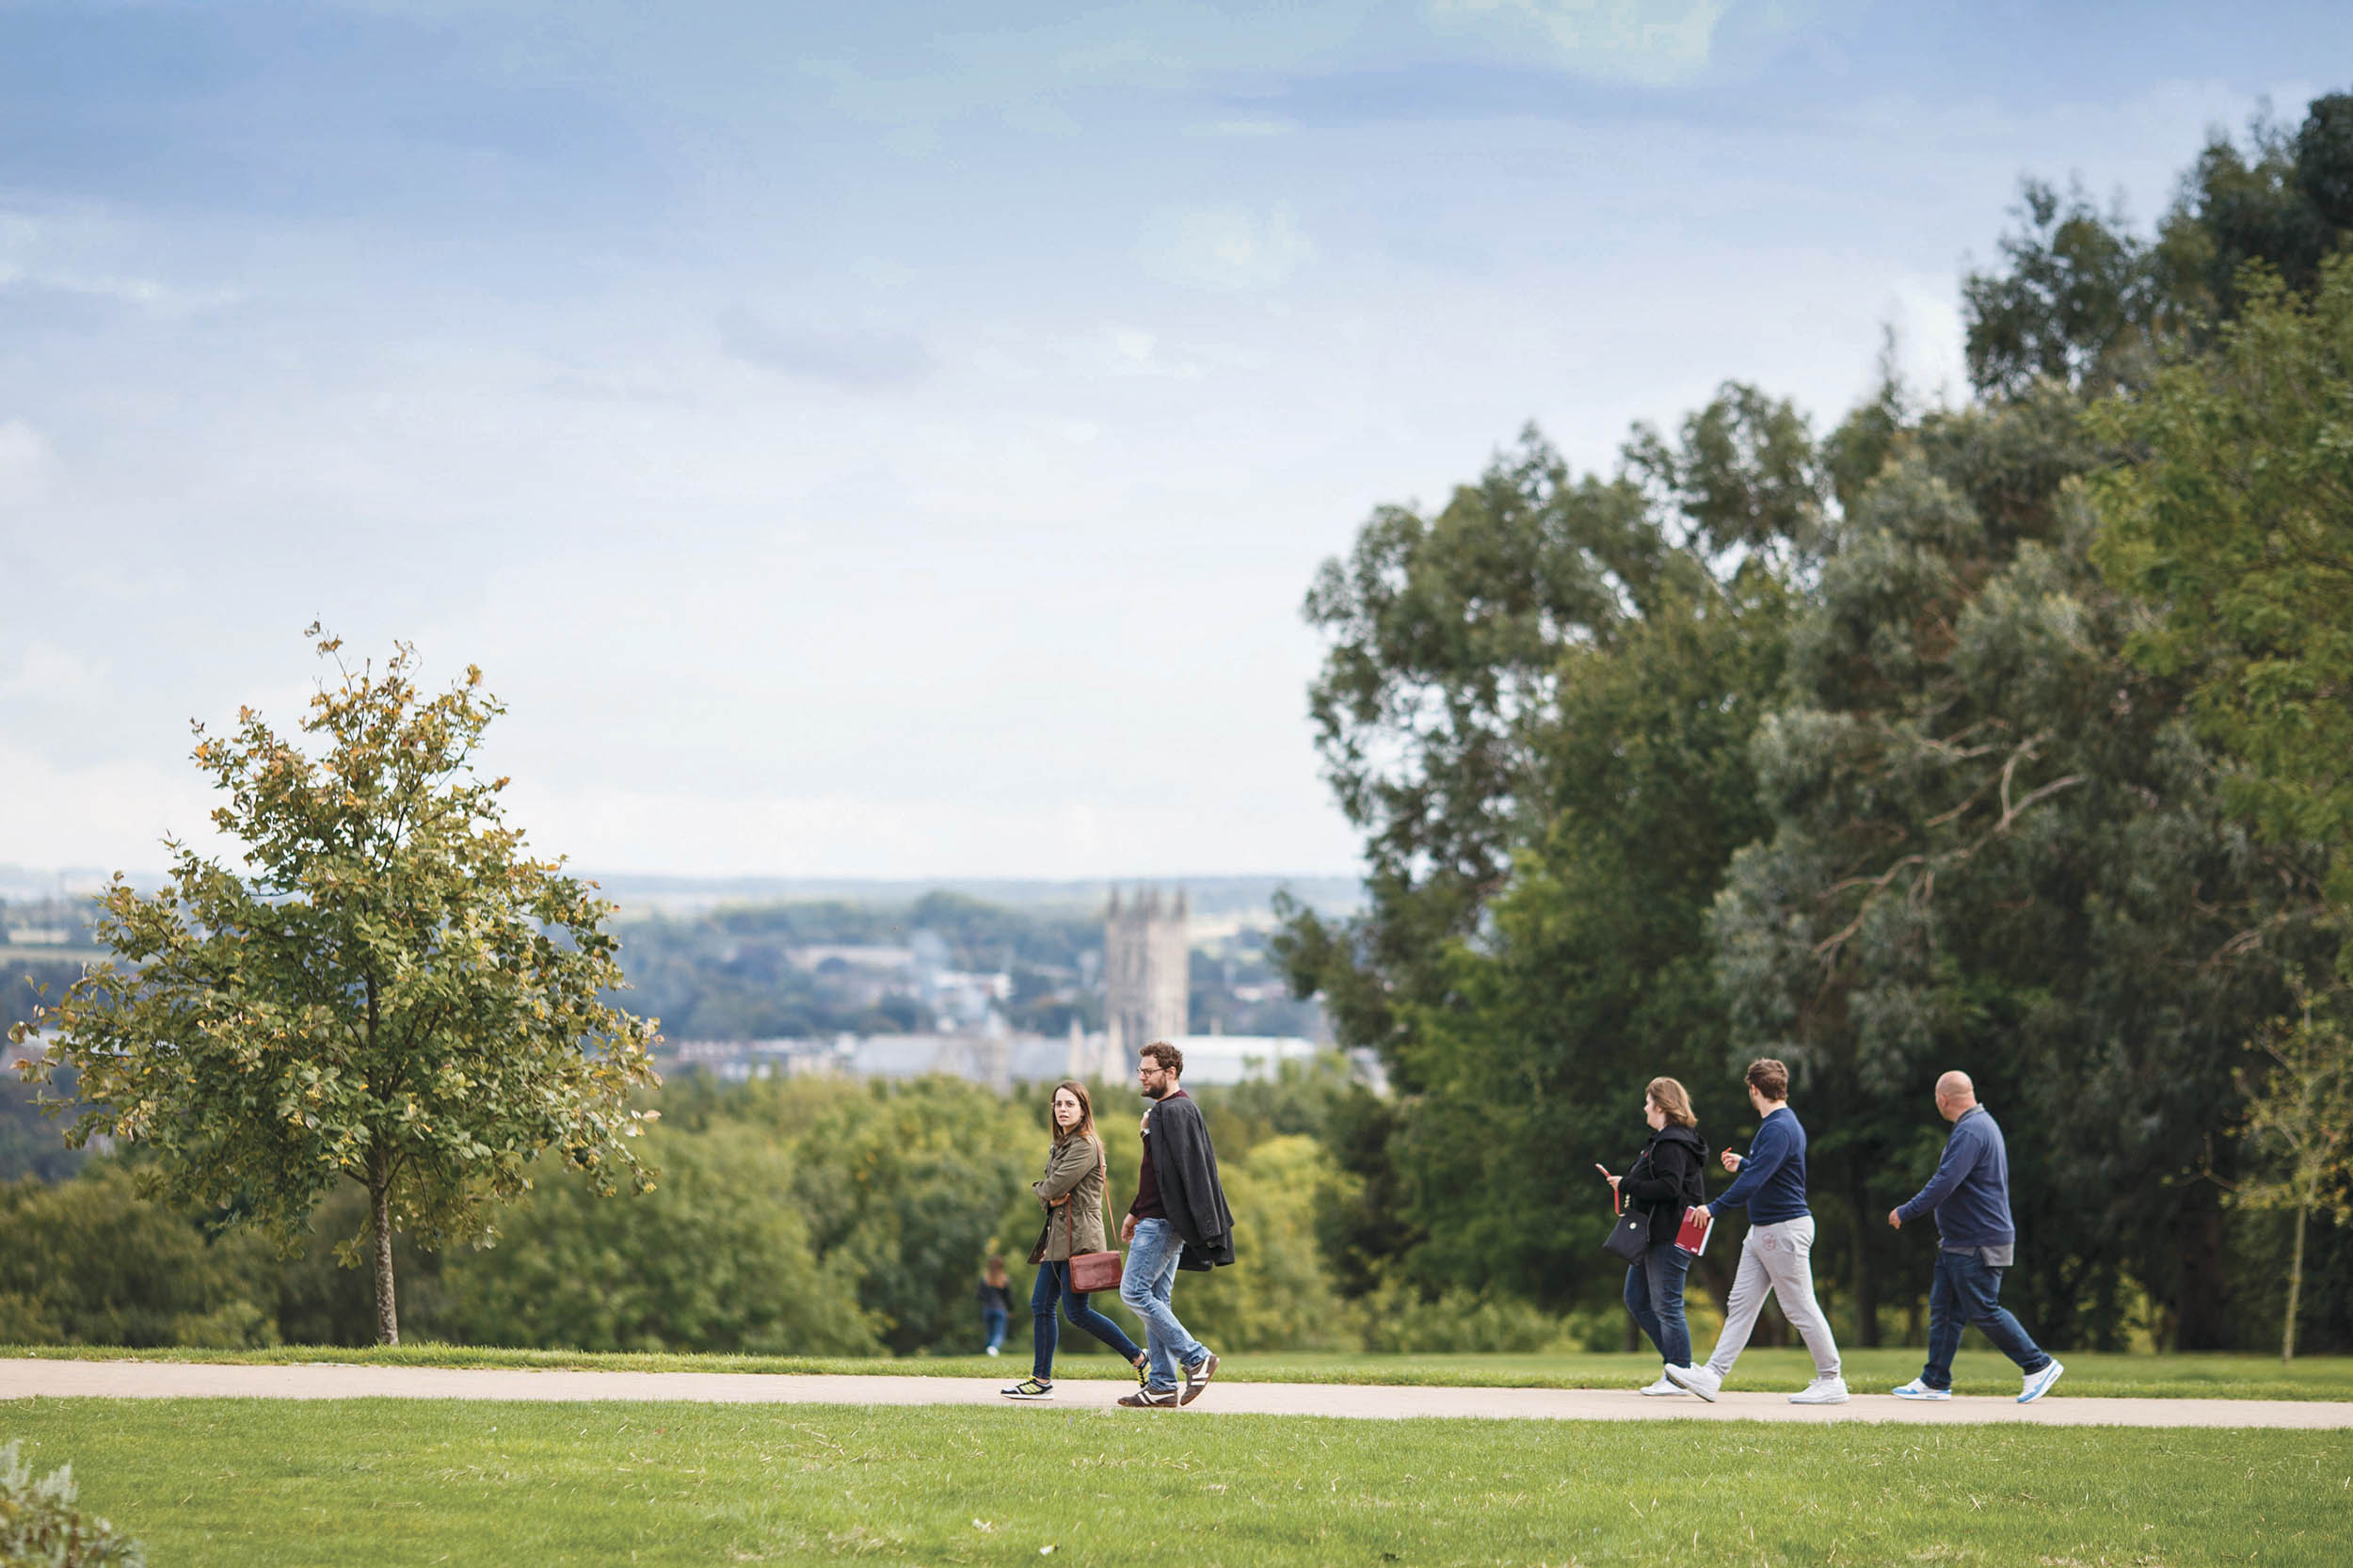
(1072, 1192)
(1970, 1196)
(1775, 1256)
(1667, 1178)
(996, 1299)
(1178, 1221)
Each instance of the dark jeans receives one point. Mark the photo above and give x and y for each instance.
(1654, 1294)
(993, 1326)
(1966, 1290)
(1053, 1281)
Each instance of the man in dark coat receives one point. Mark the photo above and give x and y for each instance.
(1178, 1221)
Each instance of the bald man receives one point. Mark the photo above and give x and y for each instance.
(1970, 1196)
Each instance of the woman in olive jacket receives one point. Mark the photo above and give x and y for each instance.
(1072, 1193)
(1665, 1180)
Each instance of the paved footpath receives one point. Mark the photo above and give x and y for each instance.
(161, 1380)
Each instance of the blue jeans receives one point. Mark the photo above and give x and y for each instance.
(993, 1326)
(1054, 1280)
(1654, 1294)
(1144, 1286)
(1967, 1291)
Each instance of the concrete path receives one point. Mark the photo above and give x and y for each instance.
(159, 1379)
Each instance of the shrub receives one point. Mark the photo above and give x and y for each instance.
(1280, 1294)
(89, 1261)
(714, 1257)
(1398, 1317)
(40, 1526)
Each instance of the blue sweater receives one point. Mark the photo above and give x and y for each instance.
(1970, 1192)
(1772, 1177)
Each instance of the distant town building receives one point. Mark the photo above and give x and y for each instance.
(1145, 975)
(996, 1061)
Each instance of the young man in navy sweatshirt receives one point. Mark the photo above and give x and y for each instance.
(1775, 1256)
(1970, 1196)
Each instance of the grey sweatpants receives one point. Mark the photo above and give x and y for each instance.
(1776, 1258)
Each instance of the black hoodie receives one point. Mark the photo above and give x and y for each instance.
(1666, 1179)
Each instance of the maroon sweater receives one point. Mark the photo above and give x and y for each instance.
(1147, 1204)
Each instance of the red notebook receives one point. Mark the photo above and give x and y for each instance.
(1692, 1236)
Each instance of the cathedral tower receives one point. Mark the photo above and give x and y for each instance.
(1146, 982)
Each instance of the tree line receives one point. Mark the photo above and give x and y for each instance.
(806, 1217)
(2006, 736)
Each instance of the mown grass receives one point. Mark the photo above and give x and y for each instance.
(1869, 1371)
(272, 1484)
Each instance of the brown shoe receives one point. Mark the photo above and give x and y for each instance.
(1153, 1399)
(1197, 1378)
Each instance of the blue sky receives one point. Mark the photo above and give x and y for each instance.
(894, 440)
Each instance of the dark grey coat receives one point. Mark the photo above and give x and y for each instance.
(1185, 1169)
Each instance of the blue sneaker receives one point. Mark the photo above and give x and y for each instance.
(2039, 1383)
(1915, 1389)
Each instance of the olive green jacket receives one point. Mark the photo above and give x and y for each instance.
(1072, 1192)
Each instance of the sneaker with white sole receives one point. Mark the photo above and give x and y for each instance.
(1915, 1389)
(1696, 1379)
(1663, 1387)
(2039, 1383)
(1029, 1388)
(1148, 1398)
(1197, 1376)
(990, 1348)
(1821, 1391)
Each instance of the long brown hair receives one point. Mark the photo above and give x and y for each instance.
(1087, 1112)
(1666, 1094)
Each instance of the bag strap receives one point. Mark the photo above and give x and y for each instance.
(1103, 1167)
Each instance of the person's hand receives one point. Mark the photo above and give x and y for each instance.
(1608, 1178)
(1895, 1219)
(1128, 1229)
(1731, 1160)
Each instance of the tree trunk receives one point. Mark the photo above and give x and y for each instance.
(2204, 1300)
(1866, 1282)
(2296, 1287)
(380, 1227)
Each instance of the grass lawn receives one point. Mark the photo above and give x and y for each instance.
(1868, 1372)
(260, 1483)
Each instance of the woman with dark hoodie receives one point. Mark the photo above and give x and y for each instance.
(1665, 1180)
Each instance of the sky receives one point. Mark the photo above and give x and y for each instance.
(895, 439)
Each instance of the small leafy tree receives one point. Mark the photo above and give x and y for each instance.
(40, 1525)
(2301, 1122)
(388, 990)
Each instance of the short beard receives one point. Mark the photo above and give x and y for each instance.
(1157, 1091)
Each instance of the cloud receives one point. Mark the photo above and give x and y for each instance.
(48, 673)
(25, 462)
(1652, 42)
(110, 814)
(842, 357)
(1227, 249)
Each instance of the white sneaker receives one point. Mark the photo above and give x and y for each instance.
(2039, 1383)
(1662, 1387)
(1696, 1379)
(991, 1349)
(1821, 1391)
(1915, 1389)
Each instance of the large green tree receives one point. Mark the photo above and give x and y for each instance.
(1996, 847)
(2232, 516)
(385, 988)
(1536, 704)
